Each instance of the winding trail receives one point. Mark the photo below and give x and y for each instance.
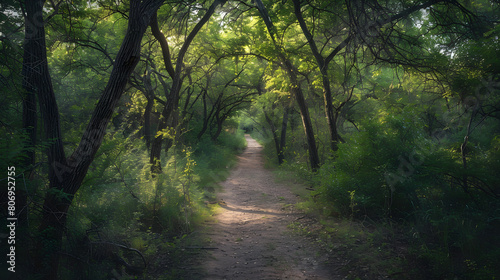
(250, 234)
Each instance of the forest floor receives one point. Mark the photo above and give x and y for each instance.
(250, 238)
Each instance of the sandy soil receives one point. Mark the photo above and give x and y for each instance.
(249, 238)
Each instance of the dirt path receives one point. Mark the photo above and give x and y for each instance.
(250, 235)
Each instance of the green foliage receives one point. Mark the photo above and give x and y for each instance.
(214, 160)
(11, 153)
(391, 170)
(376, 168)
(121, 203)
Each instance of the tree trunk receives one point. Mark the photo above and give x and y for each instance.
(323, 67)
(275, 136)
(149, 94)
(29, 73)
(284, 125)
(147, 122)
(220, 123)
(29, 115)
(29, 127)
(304, 113)
(173, 100)
(206, 116)
(329, 112)
(295, 88)
(36, 79)
(66, 175)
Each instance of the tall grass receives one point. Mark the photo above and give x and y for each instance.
(121, 203)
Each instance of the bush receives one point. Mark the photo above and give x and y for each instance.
(376, 169)
(391, 170)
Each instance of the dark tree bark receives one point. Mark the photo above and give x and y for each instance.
(29, 114)
(147, 120)
(30, 128)
(219, 123)
(284, 125)
(296, 89)
(167, 60)
(66, 175)
(323, 67)
(145, 86)
(304, 113)
(30, 70)
(207, 115)
(149, 93)
(36, 80)
(274, 132)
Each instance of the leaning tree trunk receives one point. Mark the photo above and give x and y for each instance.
(36, 79)
(323, 67)
(66, 175)
(296, 88)
(304, 113)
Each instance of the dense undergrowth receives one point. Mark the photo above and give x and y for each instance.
(125, 224)
(396, 202)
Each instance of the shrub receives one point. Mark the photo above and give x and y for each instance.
(390, 170)
(376, 169)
